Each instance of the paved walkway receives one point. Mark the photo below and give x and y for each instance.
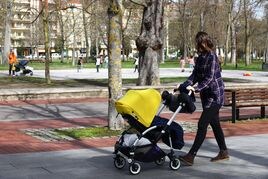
(39, 115)
(23, 156)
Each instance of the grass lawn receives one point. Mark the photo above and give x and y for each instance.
(34, 82)
(80, 133)
(89, 132)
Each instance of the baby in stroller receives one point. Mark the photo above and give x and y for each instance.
(23, 69)
(141, 109)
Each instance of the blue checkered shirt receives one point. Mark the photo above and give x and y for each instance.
(207, 75)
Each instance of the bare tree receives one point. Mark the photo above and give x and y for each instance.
(85, 6)
(233, 12)
(149, 43)
(114, 51)
(44, 13)
(7, 34)
(266, 50)
(59, 9)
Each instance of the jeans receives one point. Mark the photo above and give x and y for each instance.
(209, 116)
(10, 69)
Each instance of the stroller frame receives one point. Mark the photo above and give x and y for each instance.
(120, 158)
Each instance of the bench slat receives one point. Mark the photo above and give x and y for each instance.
(254, 96)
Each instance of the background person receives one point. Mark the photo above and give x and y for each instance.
(106, 61)
(12, 60)
(182, 64)
(207, 75)
(191, 62)
(136, 62)
(79, 64)
(98, 62)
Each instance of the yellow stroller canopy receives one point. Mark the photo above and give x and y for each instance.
(141, 104)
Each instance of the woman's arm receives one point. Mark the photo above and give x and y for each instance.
(191, 79)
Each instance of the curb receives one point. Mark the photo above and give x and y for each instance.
(65, 93)
(85, 92)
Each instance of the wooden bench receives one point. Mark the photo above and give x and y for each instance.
(265, 66)
(250, 96)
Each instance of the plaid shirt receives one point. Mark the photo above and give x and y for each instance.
(208, 76)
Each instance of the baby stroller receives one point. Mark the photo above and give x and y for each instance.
(23, 69)
(141, 109)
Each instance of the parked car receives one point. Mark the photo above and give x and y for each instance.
(42, 56)
(31, 56)
(55, 55)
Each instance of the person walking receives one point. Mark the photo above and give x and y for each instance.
(136, 62)
(79, 64)
(106, 61)
(207, 75)
(191, 63)
(182, 64)
(12, 60)
(98, 62)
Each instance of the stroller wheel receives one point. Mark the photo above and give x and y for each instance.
(160, 161)
(175, 164)
(134, 168)
(119, 162)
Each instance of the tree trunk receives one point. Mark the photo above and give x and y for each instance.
(202, 21)
(149, 43)
(166, 34)
(114, 70)
(74, 40)
(247, 42)
(227, 38)
(46, 35)
(62, 42)
(7, 41)
(184, 38)
(266, 51)
(167, 39)
(86, 33)
(97, 44)
(233, 44)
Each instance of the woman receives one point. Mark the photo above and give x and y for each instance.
(12, 60)
(207, 75)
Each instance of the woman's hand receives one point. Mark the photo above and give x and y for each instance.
(177, 88)
(190, 88)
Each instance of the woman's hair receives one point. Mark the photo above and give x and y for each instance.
(203, 42)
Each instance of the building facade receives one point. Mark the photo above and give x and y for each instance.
(27, 28)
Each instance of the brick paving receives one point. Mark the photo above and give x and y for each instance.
(14, 140)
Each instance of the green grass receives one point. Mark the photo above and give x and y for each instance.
(34, 82)
(254, 66)
(88, 132)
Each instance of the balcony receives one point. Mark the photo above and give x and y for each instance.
(22, 2)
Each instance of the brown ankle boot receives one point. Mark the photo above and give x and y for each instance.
(187, 159)
(222, 155)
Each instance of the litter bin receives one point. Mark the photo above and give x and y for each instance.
(264, 66)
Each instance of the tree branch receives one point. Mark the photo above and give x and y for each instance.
(140, 2)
